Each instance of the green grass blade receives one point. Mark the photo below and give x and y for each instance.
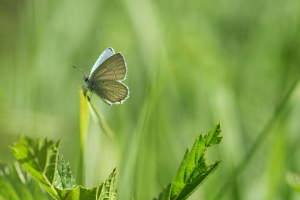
(259, 141)
(6, 190)
(83, 123)
(97, 115)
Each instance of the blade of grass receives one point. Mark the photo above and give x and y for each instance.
(97, 115)
(83, 123)
(257, 144)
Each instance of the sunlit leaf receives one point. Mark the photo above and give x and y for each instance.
(63, 176)
(106, 190)
(193, 169)
(39, 158)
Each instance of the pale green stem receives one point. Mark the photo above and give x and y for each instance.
(100, 120)
(83, 123)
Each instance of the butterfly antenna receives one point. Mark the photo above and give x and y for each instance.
(80, 70)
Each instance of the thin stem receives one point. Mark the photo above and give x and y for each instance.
(257, 144)
(100, 120)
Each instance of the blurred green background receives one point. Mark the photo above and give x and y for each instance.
(190, 64)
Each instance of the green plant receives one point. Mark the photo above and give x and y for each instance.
(40, 159)
(193, 169)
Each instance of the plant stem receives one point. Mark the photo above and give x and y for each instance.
(257, 144)
(83, 124)
(100, 120)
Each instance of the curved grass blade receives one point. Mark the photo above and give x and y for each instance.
(259, 141)
(98, 117)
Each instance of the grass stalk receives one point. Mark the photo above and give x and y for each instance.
(259, 141)
(97, 115)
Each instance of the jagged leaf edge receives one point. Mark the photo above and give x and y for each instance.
(214, 140)
(68, 176)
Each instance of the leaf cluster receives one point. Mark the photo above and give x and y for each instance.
(39, 159)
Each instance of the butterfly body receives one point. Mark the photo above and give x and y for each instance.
(106, 76)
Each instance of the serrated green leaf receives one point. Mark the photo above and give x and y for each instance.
(293, 180)
(80, 193)
(106, 190)
(63, 176)
(193, 169)
(16, 183)
(39, 158)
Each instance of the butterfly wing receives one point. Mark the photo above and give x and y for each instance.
(112, 92)
(104, 56)
(114, 68)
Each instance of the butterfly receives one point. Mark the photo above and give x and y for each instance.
(106, 76)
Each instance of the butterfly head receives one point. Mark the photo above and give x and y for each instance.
(85, 78)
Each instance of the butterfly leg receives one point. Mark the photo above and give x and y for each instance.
(84, 90)
(88, 95)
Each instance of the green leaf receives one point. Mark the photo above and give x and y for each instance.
(106, 190)
(80, 193)
(39, 158)
(193, 169)
(293, 180)
(63, 176)
(16, 183)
